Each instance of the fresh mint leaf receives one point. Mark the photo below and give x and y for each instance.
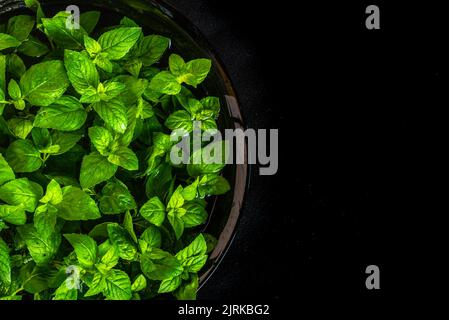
(65, 114)
(125, 158)
(92, 46)
(16, 66)
(157, 264)
(193, 257)
(45, 218)
(116, 198)
(109, 259)
(118, 285)
(101, 138)
(116, 43)
(150, 49)
(153, 211)
(188, 290)
(8, 41)
(20, 127)
(41, 87)
(13, 214)
(20, 27)
(120, 238)
(169, 285)
(152, 237)
(42, 248)
(23, 156)
(21, 192)
(85, 248)
(180, 120)
(81, 71)
(6, 173)
(95, 169)
(33, 47)
(5, 264)
(166, 83)
(113, 113)
(77, 205)
(65, 293)
(195, 215)
(139, 284)
(53, 195)
(56, 29)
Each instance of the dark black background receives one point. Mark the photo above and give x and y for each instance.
(361, 119)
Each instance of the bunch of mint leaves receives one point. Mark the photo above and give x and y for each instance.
(91, 207)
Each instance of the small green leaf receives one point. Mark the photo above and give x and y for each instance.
(139, 284)
(85, 248)
(188, 291)
(153, 211)
(64, 293)
(6, 173)
(13, 214)
(56, 29)
(170, 285)
(14, 90)
(109, 260)
(124, 157)
(177, 64)
(23, 156)
(5, 264)
(97, 285)
(152, 236)
(150, 49)
(165, 82)
(197, 71)
(113, 114)
(20, 127)
(121, 239)
(195, 215)
(33, 47)
(66, 141)
(101, 138)
(95, 169)
(116, 198)
(175, 218)
(20, 26)
(42, 248)
(118, 285)
(42, 88)
(45, 218)
(21, 192)
(157, 264)
(16, 66)
(65, 114)
(81, 71)
(129, 226)
(7, 41)
(180, 120)
(209, 160)
(77, 205)
(193, 257)
(53, 194)
(116, 43)
(92, 46)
